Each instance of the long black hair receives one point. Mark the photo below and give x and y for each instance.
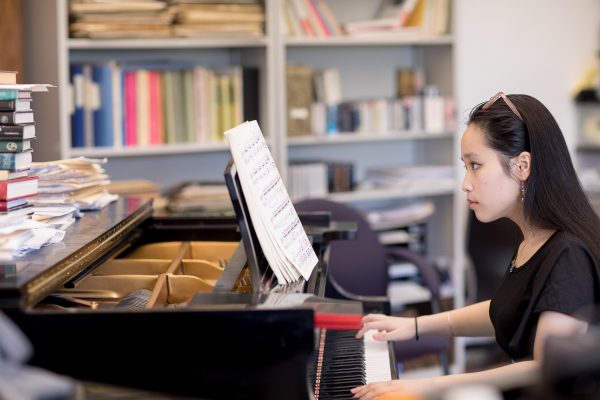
(554, 198)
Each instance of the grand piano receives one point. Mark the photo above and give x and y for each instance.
(187, 305)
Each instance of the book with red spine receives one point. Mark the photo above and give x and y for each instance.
(18, 188)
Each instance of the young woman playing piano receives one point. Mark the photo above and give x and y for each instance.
(518, 167)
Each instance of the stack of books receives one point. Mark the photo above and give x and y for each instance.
(19, 232)
(232, 18)
(119, 19)
(16, 131)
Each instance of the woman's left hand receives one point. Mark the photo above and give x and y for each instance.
(408, 386)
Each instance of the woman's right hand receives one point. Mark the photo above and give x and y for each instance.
(389, 328)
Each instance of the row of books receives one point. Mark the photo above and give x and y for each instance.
(315, 105)
(147, 105)
(421, 177)
(430, 114)
(161, 18)
(314, 18)
(310, 18)
(314, 179)
(428, 17)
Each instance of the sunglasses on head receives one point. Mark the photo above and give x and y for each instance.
(506, 100)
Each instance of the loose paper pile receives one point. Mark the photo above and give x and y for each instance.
(79, 182)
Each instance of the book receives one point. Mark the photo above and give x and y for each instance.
(14, 132)
(276, 224)
(18, 188)
(9, 94)
(103, 114)
(129, 100)
(299, 95)
(15, 105)
(10, 205)
(6, 175)
(16, 117)
(14, 146)
(77, 115)
(8, 77)
(392, 16)
(15, 161)
(250, 94)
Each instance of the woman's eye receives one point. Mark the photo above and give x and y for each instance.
(474, 165)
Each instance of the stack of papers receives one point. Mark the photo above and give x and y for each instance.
(21, 236)
(203, 197)
(410, 178)
(80, 182)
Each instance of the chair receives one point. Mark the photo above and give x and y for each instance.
(360, 268)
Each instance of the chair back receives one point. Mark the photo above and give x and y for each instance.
(358, 266)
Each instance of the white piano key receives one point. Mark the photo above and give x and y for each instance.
(377, 359)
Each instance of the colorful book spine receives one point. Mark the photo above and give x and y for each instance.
(8, 94)
(4, 188)
(188, 105)
(117, 103)
(12, 146)
(142, 109)
(15, 117)
(23, 131)
(103, 115)
(8, 161)
(156, 131)
(6, 206)
(8, 105)
(77, 118)
(130, 109)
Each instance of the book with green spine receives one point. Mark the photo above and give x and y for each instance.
(14, 146)
(8, 94)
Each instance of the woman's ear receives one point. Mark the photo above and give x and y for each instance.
(522, 165)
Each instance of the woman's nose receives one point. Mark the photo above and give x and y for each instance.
(466, 185)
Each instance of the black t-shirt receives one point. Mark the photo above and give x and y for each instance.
(561, 276)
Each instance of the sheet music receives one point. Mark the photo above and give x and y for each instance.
(278, 228)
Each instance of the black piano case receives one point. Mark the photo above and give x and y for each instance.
(110, 304)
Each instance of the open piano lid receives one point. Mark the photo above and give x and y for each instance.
(26, 280)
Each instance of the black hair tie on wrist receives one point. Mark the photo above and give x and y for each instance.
(416, 329)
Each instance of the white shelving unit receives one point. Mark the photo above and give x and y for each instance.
(367, 68)
(49, 51)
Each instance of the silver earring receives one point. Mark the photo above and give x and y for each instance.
(522, 191)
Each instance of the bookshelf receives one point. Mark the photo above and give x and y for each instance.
(49, 52)
(367, 67)
(587, 147)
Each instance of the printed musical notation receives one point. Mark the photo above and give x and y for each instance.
(278, 228)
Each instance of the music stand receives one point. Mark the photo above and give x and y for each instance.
(249, 251)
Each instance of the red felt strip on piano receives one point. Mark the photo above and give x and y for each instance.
(338, 321)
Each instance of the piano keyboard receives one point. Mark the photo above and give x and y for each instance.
(344, 362)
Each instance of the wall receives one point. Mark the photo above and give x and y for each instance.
(537, 47)
(12, 38)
